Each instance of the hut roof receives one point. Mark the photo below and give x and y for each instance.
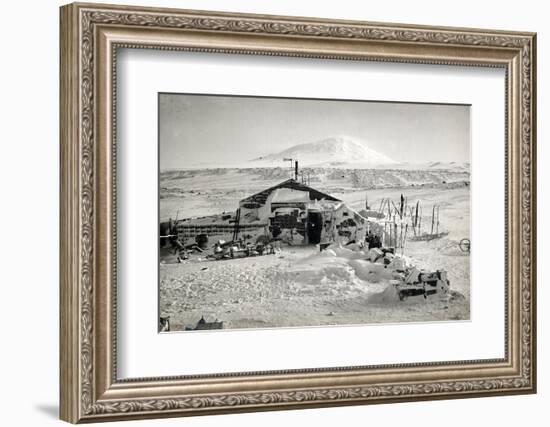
(314, 194)
(288, 195)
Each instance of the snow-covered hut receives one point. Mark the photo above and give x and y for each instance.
(294, 211)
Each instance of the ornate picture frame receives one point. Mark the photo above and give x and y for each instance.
(90, 37)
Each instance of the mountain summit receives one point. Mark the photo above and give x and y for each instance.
(331, 151)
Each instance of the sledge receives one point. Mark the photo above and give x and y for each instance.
(420, 282)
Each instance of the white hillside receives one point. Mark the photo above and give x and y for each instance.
(331, 151)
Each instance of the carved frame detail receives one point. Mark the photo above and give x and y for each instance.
(80, 401)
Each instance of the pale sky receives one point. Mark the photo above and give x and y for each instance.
(223, 130)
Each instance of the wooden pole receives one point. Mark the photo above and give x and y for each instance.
(413, 221)
(289, 160)
(395, 208)
(437, 225)
(404, 240)
(433, 219)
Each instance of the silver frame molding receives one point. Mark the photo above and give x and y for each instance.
(90, 37)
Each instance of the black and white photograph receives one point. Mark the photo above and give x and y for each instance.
(288, 212)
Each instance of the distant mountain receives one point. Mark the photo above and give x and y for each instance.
(332, 151)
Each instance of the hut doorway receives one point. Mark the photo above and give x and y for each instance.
(314, 227)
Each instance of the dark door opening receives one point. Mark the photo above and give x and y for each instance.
(314, 227)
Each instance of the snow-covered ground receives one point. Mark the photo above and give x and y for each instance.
(299, 286)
